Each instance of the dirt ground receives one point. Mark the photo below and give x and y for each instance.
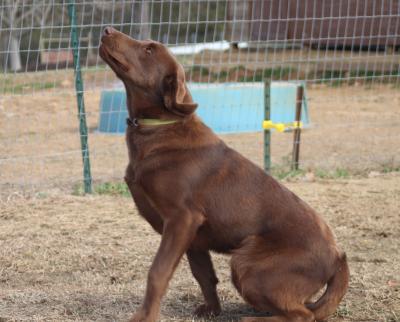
(74, 258)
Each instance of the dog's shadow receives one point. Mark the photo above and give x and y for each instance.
(112, 307)
(231, 311)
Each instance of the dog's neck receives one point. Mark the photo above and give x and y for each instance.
(140, 105)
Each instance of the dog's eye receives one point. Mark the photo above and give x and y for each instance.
(148, 50)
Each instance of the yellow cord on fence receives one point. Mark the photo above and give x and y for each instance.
(280, 127)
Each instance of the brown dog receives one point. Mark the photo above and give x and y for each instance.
(201, 196)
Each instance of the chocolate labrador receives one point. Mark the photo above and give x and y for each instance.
(203, 196)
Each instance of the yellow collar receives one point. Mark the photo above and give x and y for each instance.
(150, 122)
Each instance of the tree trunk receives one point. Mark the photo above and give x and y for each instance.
(14, 54)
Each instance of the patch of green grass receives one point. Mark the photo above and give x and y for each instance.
(203, 71)
(388, 169)
(278, 73)
(280, 171)
(112, 188)
(343, 311)
(332, 77)
(341, 173)
(41, 195)
(268, 73)
(337, 173)
(21, 88)
(106, 188)
(340, 77)
(222, 76)
(93, 69)
(390, 166)
(323, 174)
(282, 174)
(372, 73)
(332, 74)
(78, 190)
(284, 171)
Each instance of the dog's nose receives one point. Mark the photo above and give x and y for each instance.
(108, 31)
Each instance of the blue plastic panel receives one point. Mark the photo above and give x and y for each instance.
(226, 108)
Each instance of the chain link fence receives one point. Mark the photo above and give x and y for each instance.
(345, 51)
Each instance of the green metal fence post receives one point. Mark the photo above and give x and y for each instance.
(267, 133)
(297, 130)
(87, 177)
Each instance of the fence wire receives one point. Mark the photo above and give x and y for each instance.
(346, 51)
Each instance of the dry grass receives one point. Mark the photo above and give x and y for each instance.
(71, 258)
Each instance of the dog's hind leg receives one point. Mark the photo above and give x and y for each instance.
(203, 271)
(302, 315)
(274, 281)
(275, 293)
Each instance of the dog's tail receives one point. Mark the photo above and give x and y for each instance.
(336, 288)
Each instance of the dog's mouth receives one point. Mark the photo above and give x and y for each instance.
(111, 60)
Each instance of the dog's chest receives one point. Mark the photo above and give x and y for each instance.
(133, 148)
(142, 201)
(146, 208)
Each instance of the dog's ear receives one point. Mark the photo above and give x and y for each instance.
(177, 98)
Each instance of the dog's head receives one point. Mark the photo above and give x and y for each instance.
(147, 66)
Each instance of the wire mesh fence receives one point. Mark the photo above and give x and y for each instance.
(345, 51)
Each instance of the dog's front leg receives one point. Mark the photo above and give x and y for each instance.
(178, 233)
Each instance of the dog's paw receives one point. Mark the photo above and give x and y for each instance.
(140, 316)
(205, 310)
